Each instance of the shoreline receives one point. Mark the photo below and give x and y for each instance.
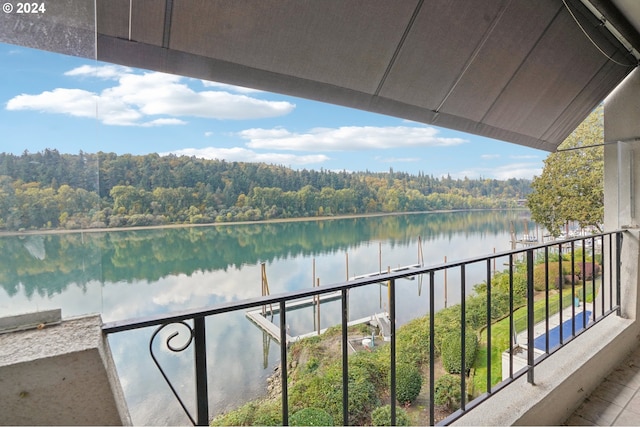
(217, 224)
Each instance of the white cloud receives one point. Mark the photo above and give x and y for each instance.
(512, 170)
(75, 102)
(347, 138)
(136, 98)
(518, 170)
(103, 72)
(163, 122)
(230, 88)
(489, 156)
(239, 154)
(208, 134)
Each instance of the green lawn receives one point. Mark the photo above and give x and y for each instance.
(500, 336)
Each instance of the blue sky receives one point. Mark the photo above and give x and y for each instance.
(70, 104)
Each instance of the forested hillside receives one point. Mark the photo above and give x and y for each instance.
(51, 190)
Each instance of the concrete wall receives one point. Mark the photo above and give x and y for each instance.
(60, 375)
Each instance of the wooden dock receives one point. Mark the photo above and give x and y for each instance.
(380, 320)
(383, 322)
(391, 270)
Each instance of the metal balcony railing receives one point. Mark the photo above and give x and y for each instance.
(598, 254)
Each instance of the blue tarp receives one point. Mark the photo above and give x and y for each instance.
(554, 334)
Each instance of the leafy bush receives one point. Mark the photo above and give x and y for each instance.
(452, 351)
(447, 391)
(539, 282)
(382, 416)
(500, 283)
(476, 311)
(362, 399)
(252, 413)
(311, 417)
(269, 414)
(408, 383)
(412, 342)
(374, 366)
(447, 321)
(239, 417)
(586, 271)
(499, 305)
(323, 389)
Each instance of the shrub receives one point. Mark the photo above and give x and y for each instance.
(476, 311)
(413, 342)
(372, 366)
(362, 399)
(539, 282)
(452, 351)
(519, 287)
(408, 383)
(269, 414)
(447, 391)
(499, 305)
(242, 416)
(311, 417)
(447, 321)
(382, 416)
(323, 389)
(586, 271)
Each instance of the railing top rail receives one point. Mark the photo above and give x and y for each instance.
(160, 319)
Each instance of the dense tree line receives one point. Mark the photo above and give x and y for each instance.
(75, 259)
(53, 190)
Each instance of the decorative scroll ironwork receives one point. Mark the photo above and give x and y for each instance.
(175, 349)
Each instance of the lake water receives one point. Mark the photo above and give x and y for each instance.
(130, 274)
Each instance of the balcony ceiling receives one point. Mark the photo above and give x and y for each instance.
(522, 71)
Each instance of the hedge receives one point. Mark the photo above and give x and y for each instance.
(451, 351)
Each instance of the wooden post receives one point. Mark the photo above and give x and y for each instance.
(494, 262)
(315, 304)
(265, 288)
(318, 311)
(347, 291)
(389, 290)
(347, 262)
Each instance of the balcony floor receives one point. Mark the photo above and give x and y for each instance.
(616, 401)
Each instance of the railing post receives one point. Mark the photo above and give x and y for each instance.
(432, 333)
(618, 270)
(202, 395)
(283, 363)
(463, 329)
(546, 299)
(392, 324)
(610, 269)
(573, 289)
(512, 334)
(345, 358)
(561, 292)
(530, 339)
(583, 269)
(488, 326)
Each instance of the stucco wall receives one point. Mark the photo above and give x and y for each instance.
(60, 375)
